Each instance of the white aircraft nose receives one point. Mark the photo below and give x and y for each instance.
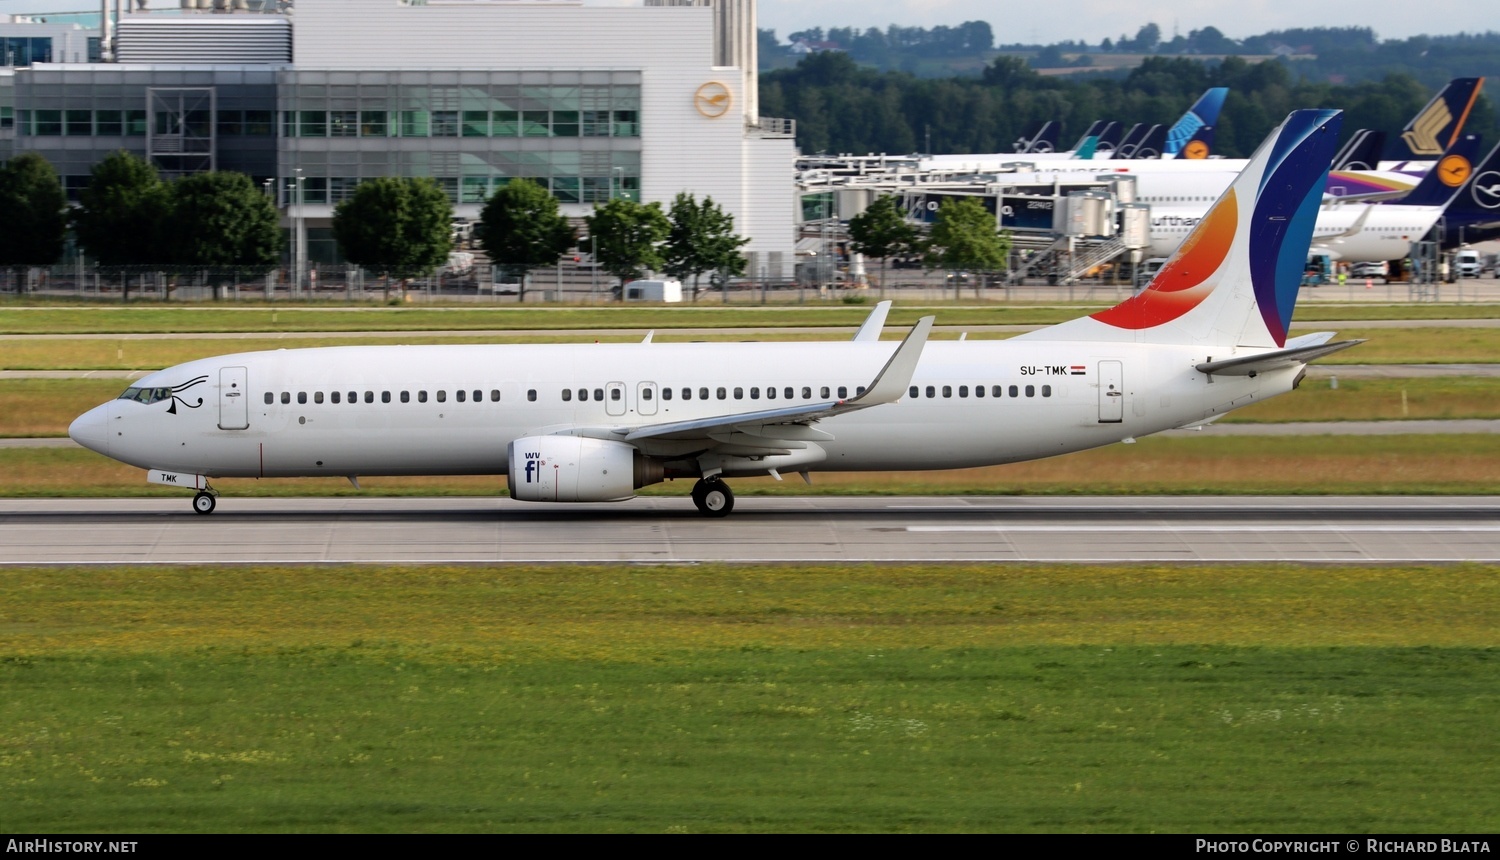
(91, 429)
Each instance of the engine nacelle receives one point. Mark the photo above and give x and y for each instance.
(576, 469)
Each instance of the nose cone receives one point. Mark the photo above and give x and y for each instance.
(91, 429)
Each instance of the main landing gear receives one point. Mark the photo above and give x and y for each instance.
(205, 501)
(713, 497)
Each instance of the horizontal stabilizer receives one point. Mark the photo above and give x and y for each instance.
(1250, 365)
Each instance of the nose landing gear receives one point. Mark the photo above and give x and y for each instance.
(713, 497)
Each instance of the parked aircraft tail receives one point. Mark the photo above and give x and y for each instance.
(1095, 131)
(1131, 139)
(1200, 145)
(1204, 112)
(1478, 203)
(1362, 152)
(1040, 137)
(1151, 144)
(1438, 125)
(1233, 281)
(1446, 178)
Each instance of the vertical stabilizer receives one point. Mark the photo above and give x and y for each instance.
(1204, 112)
(1438, 125)
(1233, 281)
(1443, 182)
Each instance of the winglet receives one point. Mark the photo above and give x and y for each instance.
(870, 328)
(896, 375)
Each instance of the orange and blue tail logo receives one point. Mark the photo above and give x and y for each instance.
(1258, 231)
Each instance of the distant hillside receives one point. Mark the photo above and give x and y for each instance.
(1328, 54)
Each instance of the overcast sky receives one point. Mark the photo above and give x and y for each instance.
(1060, 20)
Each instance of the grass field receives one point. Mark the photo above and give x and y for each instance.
(1236, 699)
(1465, 464)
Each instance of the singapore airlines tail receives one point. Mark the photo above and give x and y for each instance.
(1233, 281)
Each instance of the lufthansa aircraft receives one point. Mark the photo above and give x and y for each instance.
(594, 422)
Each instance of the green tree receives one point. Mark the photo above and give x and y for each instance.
(33, 222)
(701, 239)
(625, 237)
(521, 229)
(221, 222)
(964, 238)
(882, 231)
(396, 227)
(122, 215)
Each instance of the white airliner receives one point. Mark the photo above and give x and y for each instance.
(594, 422)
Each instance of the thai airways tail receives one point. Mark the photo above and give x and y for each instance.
(1438, 125)
(1204, 112)
(1233, 281)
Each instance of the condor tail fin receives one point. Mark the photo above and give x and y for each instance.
(1204, 112)
(1233, 281)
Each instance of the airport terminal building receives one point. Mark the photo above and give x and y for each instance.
(592, 102)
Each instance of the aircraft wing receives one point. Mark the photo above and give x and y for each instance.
(887, 387)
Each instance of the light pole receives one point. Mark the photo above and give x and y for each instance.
(299, 239)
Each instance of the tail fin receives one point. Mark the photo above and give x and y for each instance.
(1086, 148)
(1095, 129)
(1134, 136)
(1039, 137)
(1446, 178)
(1478, 203)
(1362, 152)
(1200, 145)
(1438, 125)
(1233, 281)
(1109, 140)
(1204, 112)
(1151, 145)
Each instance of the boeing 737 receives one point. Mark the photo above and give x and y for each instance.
(595, 422)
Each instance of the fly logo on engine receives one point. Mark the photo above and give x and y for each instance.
(534, 464)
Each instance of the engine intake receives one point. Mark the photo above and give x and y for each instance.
(576, 469)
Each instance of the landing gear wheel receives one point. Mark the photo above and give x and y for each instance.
(204, 503)
(718, 500)
(698, 490)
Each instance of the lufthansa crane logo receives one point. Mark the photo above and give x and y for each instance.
(712, 100)
(1195, 149)
(1454, 170)
(1486, 190)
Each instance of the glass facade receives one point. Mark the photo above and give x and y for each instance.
(75, 118)
(575, 133)
(25, 50)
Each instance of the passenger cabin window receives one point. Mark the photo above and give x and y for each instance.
(406, 397)
(931, 391)
(270, 398)
(494, 395)
(302, 397)
(598, 394)
(317, 397)
(385, 397)
(1015, 391)
(286, 397)
(614, 394)
(645, 394)
(1046, 391)
(844, 392)
(666, 394)
(912, 392)
(369, 397)
(335, 397)
(722, 393)
(354, 397)
(754, 394)
(739, 394)
(1031, 391)
(567, 395)
(703, 394)
(421, 397)
(824, 392)
(531, 394)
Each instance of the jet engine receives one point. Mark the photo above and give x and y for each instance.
(576, 469)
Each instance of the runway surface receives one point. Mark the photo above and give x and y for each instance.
(761, 529)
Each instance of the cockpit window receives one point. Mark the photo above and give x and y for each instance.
(146, 395)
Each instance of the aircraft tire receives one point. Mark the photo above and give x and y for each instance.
(204, 503)
(698, 490)
(718, 499)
